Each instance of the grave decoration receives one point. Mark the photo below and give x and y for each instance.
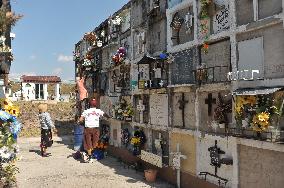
(216, 161)
(182, 102)
(119, 57)
(88, 59)
(205, 48)
(76, 56)
(90, 37)
(9, 129)
(258, 112)
(204, 22)
(176, 24)
(221, 111)
(125, 137)
(138, 141)
(123, 111)
(152, 72)
(201, 73)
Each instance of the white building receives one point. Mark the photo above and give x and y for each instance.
(35, 88)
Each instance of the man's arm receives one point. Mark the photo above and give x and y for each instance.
(81, 119)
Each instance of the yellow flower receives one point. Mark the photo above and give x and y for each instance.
(263, 116)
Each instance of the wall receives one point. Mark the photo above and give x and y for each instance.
(187, 146)
(157, 37)
(219, 54)
(273, 49)
(260, 168)
(205, 121)
(269, 8)
(229, 146)
(159, 109)
(244, 12)
(189, 112)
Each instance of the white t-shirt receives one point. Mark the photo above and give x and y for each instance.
(92, 117)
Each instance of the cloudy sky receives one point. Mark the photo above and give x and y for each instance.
(46, 35)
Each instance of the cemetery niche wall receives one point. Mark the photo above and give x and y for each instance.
(215, 108)
(159, 110)
(215, 63)
(183, 110)
(259, 47)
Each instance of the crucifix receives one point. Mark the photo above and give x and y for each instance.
(209, 101)
(182, 102)
(177, 156)
(141, 109)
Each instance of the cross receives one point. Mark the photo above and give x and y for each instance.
(141, 109)
(177, 156)
(182, 103)
(210, 101)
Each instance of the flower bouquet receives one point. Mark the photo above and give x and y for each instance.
(137, 141)
(259, 111)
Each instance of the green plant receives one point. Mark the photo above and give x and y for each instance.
(8, 19)
(8, 174)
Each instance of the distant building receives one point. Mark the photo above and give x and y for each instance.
(35, 88)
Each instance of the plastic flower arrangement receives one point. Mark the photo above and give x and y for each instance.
(119, 57)
(205, 48)
(122, 110)
(128, 112)
(101, 146)
(258, 110)
(138, 140)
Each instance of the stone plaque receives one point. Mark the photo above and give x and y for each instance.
(182, 67)
(159, 109)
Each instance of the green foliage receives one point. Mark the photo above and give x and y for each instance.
(7, 19)
(8, 174)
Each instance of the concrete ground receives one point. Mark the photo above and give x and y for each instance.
(62, 170)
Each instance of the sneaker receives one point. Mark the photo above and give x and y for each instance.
(84, 157)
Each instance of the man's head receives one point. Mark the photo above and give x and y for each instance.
(93, 103)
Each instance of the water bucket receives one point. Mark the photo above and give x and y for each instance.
(78, 137)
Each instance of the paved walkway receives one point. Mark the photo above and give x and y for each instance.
(62, 170)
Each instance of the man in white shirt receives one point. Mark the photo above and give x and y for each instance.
(92, 123)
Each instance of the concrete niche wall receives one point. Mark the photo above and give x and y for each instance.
(229, 146)
(244, 11)
(273, 48)
(205, 119)
(189, 110)
(268, 8)
(157, 37)
(187, 147)
(260, 168)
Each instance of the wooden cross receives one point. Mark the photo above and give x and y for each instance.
(141, 109)
(209, 101)
(182, 102)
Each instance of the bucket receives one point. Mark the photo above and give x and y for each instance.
(150, 175)
(78, 137)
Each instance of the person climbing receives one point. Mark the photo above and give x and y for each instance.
(46, 126)
(91, 132)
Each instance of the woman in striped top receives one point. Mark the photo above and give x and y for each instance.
(46, 126)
